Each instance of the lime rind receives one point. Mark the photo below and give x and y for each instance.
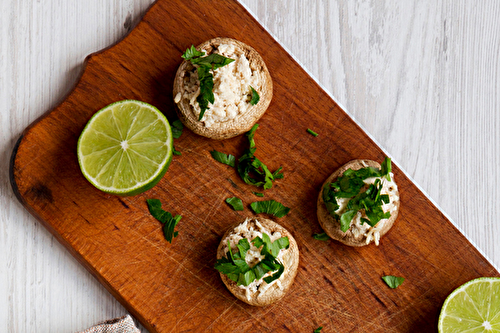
(125, 138)
(472, 307)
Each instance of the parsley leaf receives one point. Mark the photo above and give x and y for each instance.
(310, 131)
(318, 330)
(164, 217)
(252, 170)
(212, 61)
(349, 185)
(176, 152)
(204, 67)
(223, 158)
(323, 236)
(236, 268)
(269, 207)
(258, 194)
(235, 202)
(393, 281)
(192, 52)
(177, 128)
(255, 96)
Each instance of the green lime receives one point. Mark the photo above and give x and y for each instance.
(473, 307)
(125, 148)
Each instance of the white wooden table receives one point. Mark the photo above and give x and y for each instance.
(423, 79)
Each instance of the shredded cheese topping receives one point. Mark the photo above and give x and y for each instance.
(364, 230)
(231, 88)
(251, 229)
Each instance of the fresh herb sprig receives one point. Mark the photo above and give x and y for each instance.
(205, 66)
(169, 222)
(237, 269)
(349, 185)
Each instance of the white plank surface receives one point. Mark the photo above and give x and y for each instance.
(423, 79)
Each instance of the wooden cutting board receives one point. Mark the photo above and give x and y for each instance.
(173, 287)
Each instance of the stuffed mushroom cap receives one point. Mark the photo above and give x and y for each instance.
(232, 113)
(260, 293)
(359, 235)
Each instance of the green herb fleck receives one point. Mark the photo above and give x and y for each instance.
(236, 268)
(192, 52)
(310, 131)
(258, 194)
(176, 152)
(252, 170)
(323, 236)
(223, 158)
(318, 330)
(269, 207)
(349, 185)
(393, 281)
(255, 96)
(169, 222)
(205, 66)
(235, 202)
(177, 128)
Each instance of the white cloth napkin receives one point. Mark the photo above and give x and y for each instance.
(123, 324)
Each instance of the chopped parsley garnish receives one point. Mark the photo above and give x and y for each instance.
(169, 222)
(237, 269)
(235, 202)
(310, 131)
(393, 281)
(177, 128)
(176, 152)
(258, 194)
(349, 186)
(205, 66)
(323, 236)
(318, 330)
(223, 158)
(269, 207)
(252, 170)
(255, 96)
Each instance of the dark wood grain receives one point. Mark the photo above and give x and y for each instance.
(173, 287)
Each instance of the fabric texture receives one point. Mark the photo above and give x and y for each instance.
(123, 324)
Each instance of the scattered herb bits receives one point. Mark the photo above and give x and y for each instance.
(322, 237)
(177, 128)
(235, 202)
(269, 207)
(318, 330)
(310, 131)
(252, 170)
(223, 158)
(258, 194)
(169, 222)
(393, 281)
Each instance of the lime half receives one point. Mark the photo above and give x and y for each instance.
(472, 308)
(125, 148)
